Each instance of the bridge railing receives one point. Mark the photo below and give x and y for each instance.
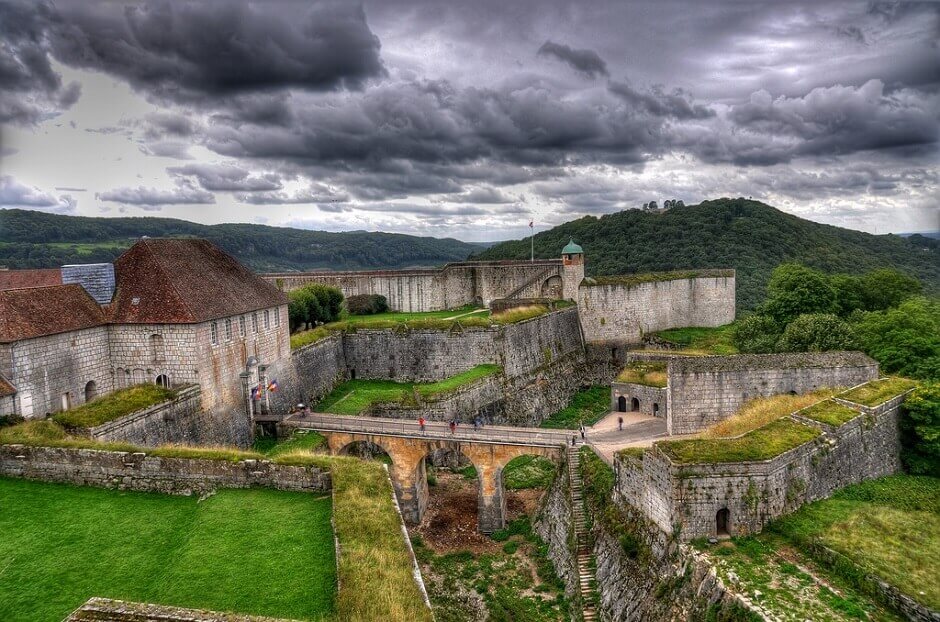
(435, 430)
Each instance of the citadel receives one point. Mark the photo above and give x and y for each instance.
(182, 314)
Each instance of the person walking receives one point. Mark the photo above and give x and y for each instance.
(574, 440)
(620, 423)
(421, 423)
(581, 429)
(453, 426)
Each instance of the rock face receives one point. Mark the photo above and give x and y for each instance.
(553, 525)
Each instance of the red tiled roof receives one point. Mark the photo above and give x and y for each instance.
(169, 281)
(15, 279)
(6, 389)
(37, 311)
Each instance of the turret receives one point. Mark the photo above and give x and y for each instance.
(572, 258)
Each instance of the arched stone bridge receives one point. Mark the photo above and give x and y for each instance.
(489, 449)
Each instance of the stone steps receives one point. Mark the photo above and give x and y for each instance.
(584, 556)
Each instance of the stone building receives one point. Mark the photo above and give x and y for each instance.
(168, 311)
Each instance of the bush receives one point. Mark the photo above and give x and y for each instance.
(313, 304)
(366, 304)
(756, 334)
(816, 332)
(920, 430)
(794, 289)
(904, 340)
(8, 420)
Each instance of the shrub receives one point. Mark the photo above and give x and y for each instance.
(366, 304)
(904, 340)
(920, 430)
(8, 420)
(816, 332)
(794, 289)
(756, 334)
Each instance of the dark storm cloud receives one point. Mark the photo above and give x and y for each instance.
(226, 177)
(155, 198)
(15, 194)
(30, 90)
(316, 193)
(586, 62)
(197, 48)
(485, 195)
(677, 104)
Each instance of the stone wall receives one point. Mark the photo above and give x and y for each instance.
(704, 390)
(106, 609)
(624, 313)
(142, 352)
(177, 421)
(553, 525)
(454, 285)
(142, 472)
(51, 373)
(652, 400)
(689, 496)
(309, 374)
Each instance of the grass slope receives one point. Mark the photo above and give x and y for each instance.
(749, 236)
(114, 405)
(587, 406)
(37, 240)
(763, 443)
(696, 340)
(355, 396)
(62, 544)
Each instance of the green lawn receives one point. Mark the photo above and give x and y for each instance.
(878, 391)
(114, 405)
(648, 373)
(528, 472)
(763, 443)
(260, 552)
(889, 527)
(397, 316)
(355, 396)
(587, 406)
(718, 340)
(830, 412)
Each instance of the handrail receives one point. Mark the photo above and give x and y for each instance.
(434, 430)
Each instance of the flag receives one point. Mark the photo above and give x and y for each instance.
(531, 224)
(256, 392)
(273, 386)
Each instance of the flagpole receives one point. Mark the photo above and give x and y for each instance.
(532, 240)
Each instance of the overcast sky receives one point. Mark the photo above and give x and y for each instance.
(469, 118)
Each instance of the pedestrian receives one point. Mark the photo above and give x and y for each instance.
(421, 423)
(453, 426)
(620, 423)
(581, 429)
(574, 440)
(476, 423)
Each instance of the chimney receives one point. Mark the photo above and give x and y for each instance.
(96, 278)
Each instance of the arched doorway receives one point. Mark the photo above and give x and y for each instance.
(722, 519)
(163, 381)
(635, 405)
(655, 409)
(91, 390)
(622, 404)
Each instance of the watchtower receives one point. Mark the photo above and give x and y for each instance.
(572, 258)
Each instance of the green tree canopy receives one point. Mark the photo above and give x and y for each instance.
(794, 289)
(816, 332)
(906, 339)
(920, 427)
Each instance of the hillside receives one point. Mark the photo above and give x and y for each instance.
(746, 235)
(31, 239)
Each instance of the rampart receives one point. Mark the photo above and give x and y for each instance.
(704, 390)
(142, 472)
(622, 311)
(686, 498)
(176, 421)
(454, 285)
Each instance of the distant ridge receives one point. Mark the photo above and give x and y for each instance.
(746, 235)
(30, 239)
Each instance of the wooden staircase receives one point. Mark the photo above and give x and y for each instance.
(585, 552)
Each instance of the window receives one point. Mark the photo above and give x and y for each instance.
(254, 321)
(91, 390)
(277, 317)
(214, 332)
(163, 381)
(156, 348)
(267, 319)
(228, 329)
(241, 325)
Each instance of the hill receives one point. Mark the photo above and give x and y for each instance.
(31, 239)
(746, 235)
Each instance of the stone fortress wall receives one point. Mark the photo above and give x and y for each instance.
(450, 287)
(687, 497)
(623, 313)
(704, 390)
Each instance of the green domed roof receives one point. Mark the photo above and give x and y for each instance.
(572, 249)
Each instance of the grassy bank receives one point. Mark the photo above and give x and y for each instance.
(649, 373)
(587, 406)
(114, 406)
(763, 443)
(63, 544)
(762, 410)
(355, 396)
(718, 340)
(878, 391)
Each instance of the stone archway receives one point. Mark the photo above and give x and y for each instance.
(722, 522)
(622, 404)
(635, 405)
(91, 390)
(551, 288)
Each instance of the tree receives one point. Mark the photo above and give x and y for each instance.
(816, 332)
(920, 430)
(756, 334)
(904, 340)
(794, 289)
(849, 293)
(653, 205)
(888, 288)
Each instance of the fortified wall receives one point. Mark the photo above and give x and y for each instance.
(690, 498)
(704, 390)
(450, 287)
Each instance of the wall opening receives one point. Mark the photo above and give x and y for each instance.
(352, 374)
(635, 405)
(156, 348)
(66, 400)
(622, 404)
(721, 521)
(91, 390)
(655, 408)
(163, 381)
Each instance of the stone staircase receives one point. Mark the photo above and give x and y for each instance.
(541, 275)
(585, 554)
